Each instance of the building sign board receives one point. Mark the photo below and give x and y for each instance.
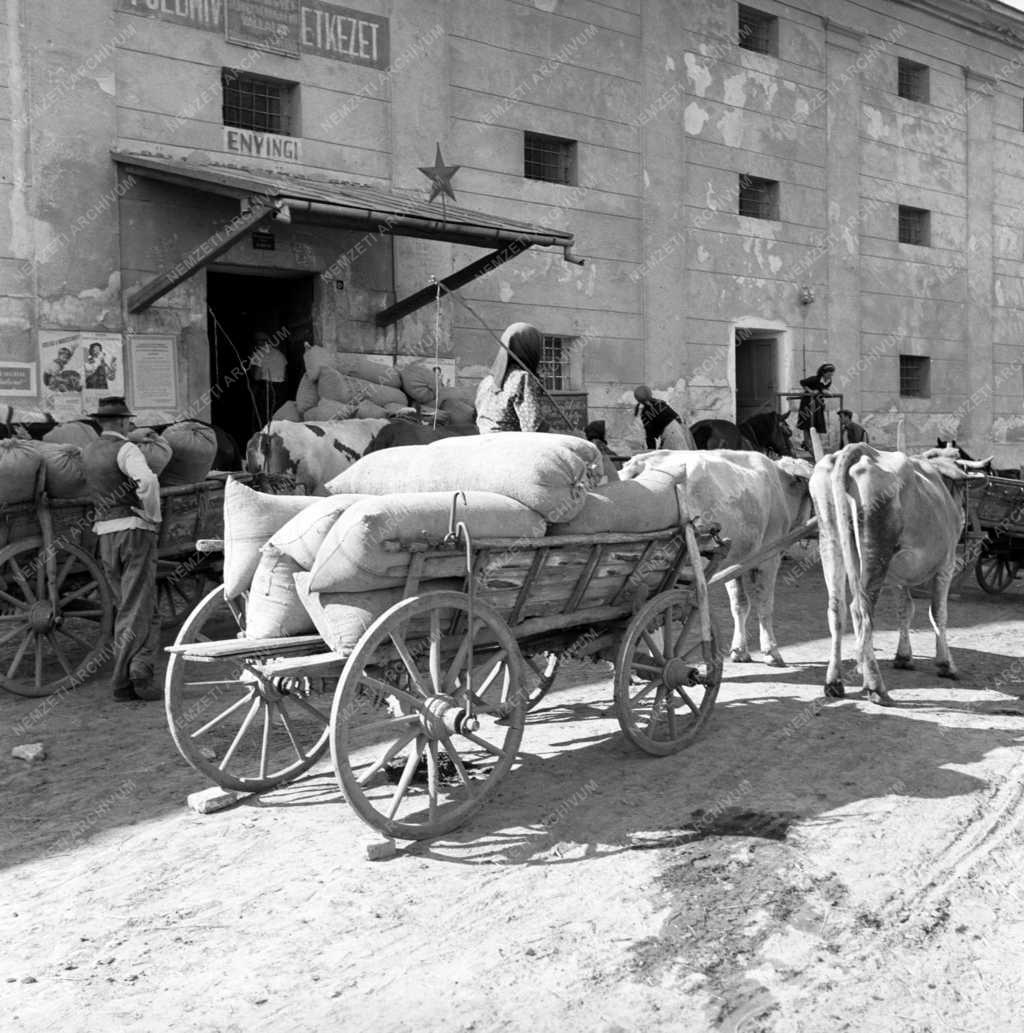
(18, 379)
(291, 27)
(262, 145)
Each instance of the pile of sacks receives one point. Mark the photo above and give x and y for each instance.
(343, 387)
(182, 454)
(333, 565)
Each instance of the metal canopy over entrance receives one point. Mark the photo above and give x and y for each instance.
(264, 196)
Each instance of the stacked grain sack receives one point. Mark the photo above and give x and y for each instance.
(337, 563)
(420, 383)
(193, 449)
(339, 387)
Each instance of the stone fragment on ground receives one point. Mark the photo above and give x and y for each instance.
(207, 801)
(29, 751)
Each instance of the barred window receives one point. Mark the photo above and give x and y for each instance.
(258, 103)
(915, 226)
(554, 362)
(758, 31)
(549, 158)
(915, 376)
(759, 198)
(912, 80)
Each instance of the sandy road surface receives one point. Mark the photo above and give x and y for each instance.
(801, 868)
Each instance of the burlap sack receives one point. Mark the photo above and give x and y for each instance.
(341, 618)
(460, 410)
(154, 448)
(315, 360)
(250, 518)
(300, 539)
(19, 468)
(289, 411)
(367, 548)
(326, 412)
(338, 387)
(549, 473)
(193, 447)
(372, 411)
(75, 433)
(418, 382)
(365, 368)
(306, 396)
(647, 503)
(65, 471)
(274, 609)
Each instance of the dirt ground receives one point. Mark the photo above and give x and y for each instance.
(804, 867)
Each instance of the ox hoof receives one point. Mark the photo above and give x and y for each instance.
(903, 663)
(948, 671)
(835, 690)
(774, 659)
(738, 656)
(882, 699)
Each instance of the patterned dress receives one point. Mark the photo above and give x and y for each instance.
(515, 407)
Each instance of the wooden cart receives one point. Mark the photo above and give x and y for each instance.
(56, 608)
(995, 530)
(424, 716)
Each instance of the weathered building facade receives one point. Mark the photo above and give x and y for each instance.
(753, 189)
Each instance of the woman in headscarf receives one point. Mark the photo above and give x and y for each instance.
(812, 405)
(509, 397)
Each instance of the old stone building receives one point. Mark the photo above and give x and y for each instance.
(752, 189)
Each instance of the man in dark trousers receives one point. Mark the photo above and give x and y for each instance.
(126, 498)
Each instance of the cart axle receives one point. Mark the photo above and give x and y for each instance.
(442, 716)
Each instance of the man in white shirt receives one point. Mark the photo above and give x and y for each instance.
(126, 498)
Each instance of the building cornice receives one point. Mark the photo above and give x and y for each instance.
(839, 35)
(984, 17)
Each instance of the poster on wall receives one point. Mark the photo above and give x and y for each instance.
(18, 379)
(63, 373)
(154, 375)
(103, 366)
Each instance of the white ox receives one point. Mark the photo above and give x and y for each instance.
(755, 501)
(886, 516)
(312, 452)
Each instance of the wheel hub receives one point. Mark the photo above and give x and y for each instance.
(678, 673)
(40, 617)
(441, 715)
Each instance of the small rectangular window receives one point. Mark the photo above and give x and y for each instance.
(759, 198)
(912, 80)
(554, 363)
(258, 103)
(915, 226)
(758, 31)
(915, 376)
(549, 158)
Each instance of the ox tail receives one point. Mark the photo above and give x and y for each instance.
(847, 510)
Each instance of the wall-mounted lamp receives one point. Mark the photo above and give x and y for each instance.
(806, 295)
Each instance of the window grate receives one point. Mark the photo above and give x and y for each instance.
(759, 198)
(549, 158)
(912, 80)
(257, 103)
(915, 376)
(914, 226)
(758, 31)
(554, 363)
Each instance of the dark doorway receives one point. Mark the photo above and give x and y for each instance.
(756, 372)
(238, 307)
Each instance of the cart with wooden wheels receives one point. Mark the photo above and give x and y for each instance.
(56, 607)
(995, 530)
(428, 708)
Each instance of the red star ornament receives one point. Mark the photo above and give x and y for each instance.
(440, 176)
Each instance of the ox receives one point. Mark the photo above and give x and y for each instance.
(756, 501)
(401, 432)
(312, 452)
(886, 516)
(767, 432)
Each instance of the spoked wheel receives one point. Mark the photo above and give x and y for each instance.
(180, 587)
(666, 676)
(419, 743)
(51, 642)
(995, 573)
(240, 728)
(539, 675)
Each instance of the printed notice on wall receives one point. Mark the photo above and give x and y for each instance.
(79, 368)
(264, 24)
(154, 372)
(18, 379)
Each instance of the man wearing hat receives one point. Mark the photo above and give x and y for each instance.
(126, 498)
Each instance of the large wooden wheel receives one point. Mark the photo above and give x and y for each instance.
(241, 728)
(51, 639)
(419, 736)
(181, 585)
(666, 675)
(994, 573)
